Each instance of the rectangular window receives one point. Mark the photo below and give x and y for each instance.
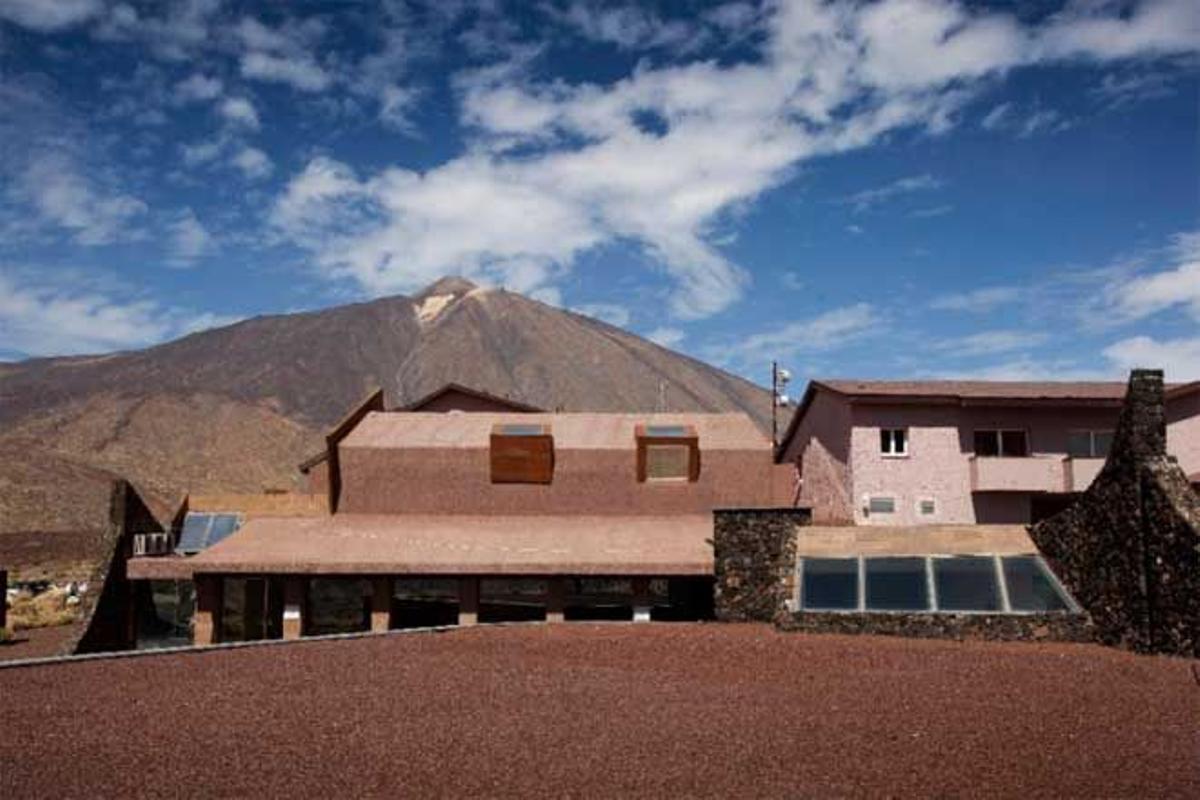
(667, 453)
(896, 584)
(830, 584)
(966, 583)
(1029, 585)
(893, 441)
(522, 453)
(1089, 444)
(881, 505)
(1010, 443)
(927, 508)
(667, 462)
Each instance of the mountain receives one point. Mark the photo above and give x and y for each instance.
(236, 408)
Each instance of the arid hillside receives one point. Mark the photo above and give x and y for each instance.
(236, 408)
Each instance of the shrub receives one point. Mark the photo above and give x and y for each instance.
(41, 610)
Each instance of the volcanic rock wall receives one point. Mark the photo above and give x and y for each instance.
(1129, 549)
(755, 559)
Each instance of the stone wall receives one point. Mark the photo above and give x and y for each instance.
(3, 599)
(755, 558)
(1129, 549)
(108, 612)
(993, 627)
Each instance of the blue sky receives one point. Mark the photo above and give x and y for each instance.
(904, 188)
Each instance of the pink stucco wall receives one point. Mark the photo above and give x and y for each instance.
(379, 480)
(820, 449)
(837, 445)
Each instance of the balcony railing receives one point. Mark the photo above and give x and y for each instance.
(1019, 474)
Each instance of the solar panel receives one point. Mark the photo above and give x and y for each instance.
(201, 531)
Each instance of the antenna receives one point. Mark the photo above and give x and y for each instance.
(779, 380)
(662, 396)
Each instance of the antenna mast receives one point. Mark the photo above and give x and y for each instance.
(779, 380)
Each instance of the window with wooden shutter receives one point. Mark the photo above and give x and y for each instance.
(522, 453)
(667, 453)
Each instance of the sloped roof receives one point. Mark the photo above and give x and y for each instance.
(449, 388)
(969, 392)
(468, 544)
(584, 431)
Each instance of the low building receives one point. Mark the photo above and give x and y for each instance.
(485, 515)
(961, 452)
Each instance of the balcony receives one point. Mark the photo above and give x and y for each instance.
(1081, 472)
(1019, 474)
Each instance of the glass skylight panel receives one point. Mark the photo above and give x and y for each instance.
(522, 429)
(194, 536)
(666, 430)
(1030, 587)
(966, 583)
(896, 584)
(222, 526)
(830, 584)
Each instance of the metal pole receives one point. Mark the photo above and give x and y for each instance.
(774, 404)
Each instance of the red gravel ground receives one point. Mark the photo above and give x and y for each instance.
(596, 710)
(37, 643)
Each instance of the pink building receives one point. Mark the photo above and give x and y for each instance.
(953, 452)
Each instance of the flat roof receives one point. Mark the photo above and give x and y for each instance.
(583, 431)
(370, 544)
(1113, 391)
(914, 540)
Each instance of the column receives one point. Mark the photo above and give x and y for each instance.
(206, 620)
(641, 599)
(556, 599)
(468, 601)
(295, 588)
(381, 604)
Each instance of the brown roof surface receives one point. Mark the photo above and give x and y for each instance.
(989, 390)
(607, 710)
(917, 540)
(449, 388)
(585, 431)
(420, 544)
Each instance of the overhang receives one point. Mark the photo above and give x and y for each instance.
(367, 544)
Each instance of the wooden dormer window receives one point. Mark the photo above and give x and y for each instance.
(522, 453)
(667, 453)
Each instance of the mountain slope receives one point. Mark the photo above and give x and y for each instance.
(234, 409)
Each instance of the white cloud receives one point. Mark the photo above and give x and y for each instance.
(253, 163)
(627, 26)
(823, 333)
(667, 337)
(183, 28)
(1123, 90)
(61, 194)
(198, 87)
(611, 313)
(992, 342)
(1178, 358)
(39, 318)
(978, 301)
(1143, 295)
(932, 211)
(190, 240)
(283, 54)
(551, 170)
(241, 111)
(49, 15)
(300, 73)
(869, 198)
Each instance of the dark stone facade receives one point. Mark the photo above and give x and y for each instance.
(755, 559)
(992, 627)
(1129, 549)
(108, 612)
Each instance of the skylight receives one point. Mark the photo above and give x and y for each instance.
(521, 429)
(980, 584)
(667, 430)
(202, 531)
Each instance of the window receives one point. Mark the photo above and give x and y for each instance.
(1030, 587)
(1001, 443)
(966, 583)
(667, 453)
(665, 462)
(881, 505)
(896, 584)
(893, 441)
(830, 583)
(522, 453)
(926, 508)
(931, 584)
(1089, 444)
